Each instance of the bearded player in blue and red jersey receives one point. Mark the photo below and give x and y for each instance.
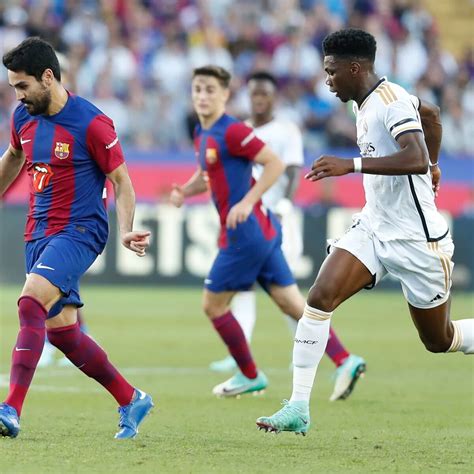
(70, 148)
(250, 236)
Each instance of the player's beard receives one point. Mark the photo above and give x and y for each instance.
(40, 104)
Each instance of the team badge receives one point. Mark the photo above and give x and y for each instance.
(62, 150)
(211, 155)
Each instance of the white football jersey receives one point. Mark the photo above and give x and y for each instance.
(286, 141)
(398, 207)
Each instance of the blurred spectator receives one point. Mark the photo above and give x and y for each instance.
(135, 58)
(458, 128)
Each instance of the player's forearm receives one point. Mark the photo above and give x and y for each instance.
(404, 162)
(293, 172)
(196, 185)
(271, 172)
(10, 167)
(124, 198)
(432, 128)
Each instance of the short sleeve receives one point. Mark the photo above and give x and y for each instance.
(14, 138)
(293, 146)
(242, 141)
(401, 117)
(415, 101)
(103, 144)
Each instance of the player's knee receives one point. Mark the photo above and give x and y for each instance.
(437, 346)
(322, 297)
(31, 312)
(212, 310)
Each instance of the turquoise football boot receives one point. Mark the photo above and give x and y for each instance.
(240, 384)
(294, 417)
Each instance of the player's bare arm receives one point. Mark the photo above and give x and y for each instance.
(285, 205)
(10, 166)
(433, 131)
(273, 167)
(412, 158)
(136, 241)
(197, 184)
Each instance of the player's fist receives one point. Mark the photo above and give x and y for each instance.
(238, 213)
(177, 195)
(137, 241)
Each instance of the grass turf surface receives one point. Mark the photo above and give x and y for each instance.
(413, 412)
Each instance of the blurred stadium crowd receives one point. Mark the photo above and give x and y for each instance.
(134, 59)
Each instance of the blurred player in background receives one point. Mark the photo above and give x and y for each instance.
(285, 139)
(399, 231)
(70, 148)
(250, 236)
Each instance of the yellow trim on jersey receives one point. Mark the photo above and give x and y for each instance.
(383, 96)
(445, 262)
(390, 92)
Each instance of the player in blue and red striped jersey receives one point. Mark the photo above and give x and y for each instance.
(250, 236)
(70, 148)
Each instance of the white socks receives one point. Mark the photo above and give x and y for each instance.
(310, 343)
(463, 339)
(244, 309)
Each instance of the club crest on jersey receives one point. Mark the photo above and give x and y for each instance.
(42, 175)
(211, 155)
(62, 150)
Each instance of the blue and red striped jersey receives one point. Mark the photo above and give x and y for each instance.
(67, 158)
(225, 154)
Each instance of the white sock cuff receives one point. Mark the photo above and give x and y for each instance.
(457, 338)
(317, 314)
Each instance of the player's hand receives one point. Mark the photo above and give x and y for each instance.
(238, 213)
(177, 195)
(137, 241)
(327, 165)
(435, 178)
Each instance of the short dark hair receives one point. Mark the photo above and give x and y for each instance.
(350, 43)
(221, 74)
(33, 56)
(263, 76)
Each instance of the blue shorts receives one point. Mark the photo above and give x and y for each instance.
(238, 268)
(62, 259)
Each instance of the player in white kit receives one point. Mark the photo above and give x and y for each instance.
(399, 231)
(286, 140)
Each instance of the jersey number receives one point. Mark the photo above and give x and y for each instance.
(42, 175)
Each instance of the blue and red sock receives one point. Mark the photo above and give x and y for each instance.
(91, 359)
(27, 351)
(233, 336)
(335, 350)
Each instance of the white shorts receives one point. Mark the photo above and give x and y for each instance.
(423, 269)
(292, 239)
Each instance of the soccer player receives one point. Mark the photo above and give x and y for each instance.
(285, 139)
(70, 148)
(47, 358)
(399, 231)
(250, 237)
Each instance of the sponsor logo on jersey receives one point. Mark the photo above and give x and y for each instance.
(62, 150)
(42, 175)
(211, 155)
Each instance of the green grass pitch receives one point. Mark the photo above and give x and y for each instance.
(413, 412)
